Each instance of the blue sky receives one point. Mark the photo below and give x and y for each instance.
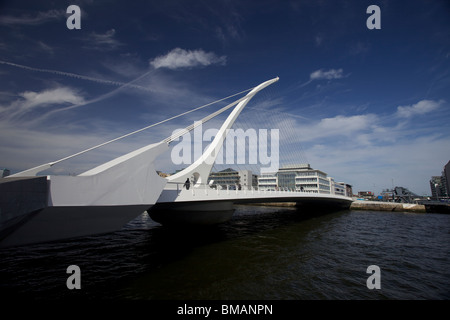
(369, 107)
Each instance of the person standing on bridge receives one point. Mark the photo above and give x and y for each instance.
(187, 184)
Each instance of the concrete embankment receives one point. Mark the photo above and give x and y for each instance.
(387, 206)
(367, 205)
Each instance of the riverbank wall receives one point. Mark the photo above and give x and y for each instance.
(387, 206)
(368, 205)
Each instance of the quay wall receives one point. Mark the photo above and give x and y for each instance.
(387, 206)
(367, 205)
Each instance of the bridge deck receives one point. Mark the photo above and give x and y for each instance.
(209, 206)
(207, 194)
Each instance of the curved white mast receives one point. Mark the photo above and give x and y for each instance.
(201, 168)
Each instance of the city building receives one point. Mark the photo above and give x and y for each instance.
(230, 178)
(301, 177)
(368, 195)
(268, 182)
(349, 190)
(446, 176)
(309, 179)
(340, 188)
(332, 185)
(437, 186)
(440, 185)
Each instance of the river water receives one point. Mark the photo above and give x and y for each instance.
(262, 253)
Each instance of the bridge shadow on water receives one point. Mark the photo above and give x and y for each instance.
(247, 220)
(171, 243)
(203, 255)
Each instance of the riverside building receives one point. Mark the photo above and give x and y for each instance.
(440, 185)
(301, 177)
(230, 178)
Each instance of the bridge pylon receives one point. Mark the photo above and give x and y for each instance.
(199, 171)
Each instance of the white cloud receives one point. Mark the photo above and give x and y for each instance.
(48, 97)
(39, 18)
(346, 125)
(103, 41)
(421, 107)
(318, 40)
(230, 30)
(359, 48)
(377, 167)
(30, 100)
(339, 126)
(45, 48)
(328, 75)
(128, 65)
(180, 58)
(369, 151)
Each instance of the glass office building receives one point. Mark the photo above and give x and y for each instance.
(231, 179)
(301, 177)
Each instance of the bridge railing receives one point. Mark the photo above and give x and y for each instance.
(229, 188)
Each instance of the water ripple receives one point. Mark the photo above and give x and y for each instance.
(262, 253)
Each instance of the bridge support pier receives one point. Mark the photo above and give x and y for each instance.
(192, 213)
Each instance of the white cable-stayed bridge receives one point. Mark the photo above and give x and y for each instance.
(103, 199)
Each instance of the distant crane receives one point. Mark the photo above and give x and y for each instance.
(403, 195)
(400, 195)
